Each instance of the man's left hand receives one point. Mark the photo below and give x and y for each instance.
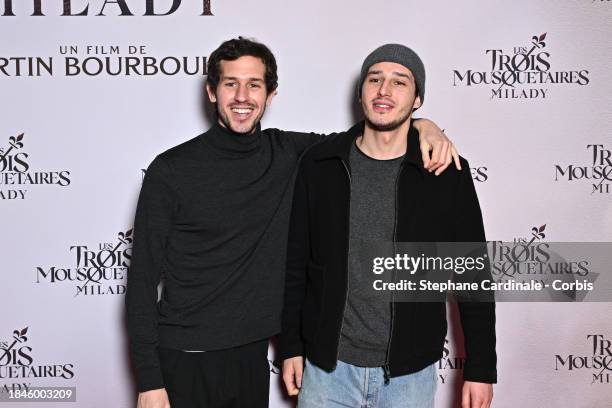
(433, 140)
(476, 395)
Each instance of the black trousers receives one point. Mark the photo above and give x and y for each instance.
(232, 378)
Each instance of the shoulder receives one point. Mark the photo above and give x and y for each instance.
(452, 178)
(452, 169)
(335, 144)
(167, 162)
(189, 149)
(290, 134)
(295, 141)
(326, 148)
(181, 151)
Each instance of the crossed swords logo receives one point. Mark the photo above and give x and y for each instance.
(124, 238)
(537, 42)
(15, 142)
(19, 336)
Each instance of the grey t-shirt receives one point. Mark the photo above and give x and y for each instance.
(366, 324)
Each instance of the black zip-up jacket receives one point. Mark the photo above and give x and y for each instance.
(430, 208)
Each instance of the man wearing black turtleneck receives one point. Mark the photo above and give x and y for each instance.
(212, 221)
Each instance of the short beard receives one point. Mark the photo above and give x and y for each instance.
(389, 126)
(224, 119)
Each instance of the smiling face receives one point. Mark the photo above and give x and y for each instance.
(241, 95)
(388, 96)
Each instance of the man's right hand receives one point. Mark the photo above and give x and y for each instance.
(293, 368)
(153, 399)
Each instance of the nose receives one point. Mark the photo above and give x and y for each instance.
(242, 94)
(384, 89)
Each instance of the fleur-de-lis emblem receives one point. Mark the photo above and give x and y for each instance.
(539, 41)
(15, 141)
(538, 232)
(20, 335)
(126, 237)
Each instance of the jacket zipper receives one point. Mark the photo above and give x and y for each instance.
(346, 293)
(387, 371)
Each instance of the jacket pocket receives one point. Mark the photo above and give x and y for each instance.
(311, 311)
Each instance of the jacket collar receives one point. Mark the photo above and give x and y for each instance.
(340, 146)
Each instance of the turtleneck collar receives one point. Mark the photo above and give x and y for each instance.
(231, 143)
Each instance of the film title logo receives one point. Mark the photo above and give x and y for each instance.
(524, 255)
(531, 256)
(570, 277)
(16, 174)
(18, 368)
(598, 362)
(99, 271)
(116, 7)
(523, 73)
(598, 172)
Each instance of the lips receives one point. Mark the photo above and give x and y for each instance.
(382, 106)
(242, 112)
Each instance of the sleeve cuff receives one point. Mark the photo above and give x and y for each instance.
(289, 351)
(150, 379)
(481, 375)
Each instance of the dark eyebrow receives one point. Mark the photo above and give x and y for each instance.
(236, 79)
(399, 74)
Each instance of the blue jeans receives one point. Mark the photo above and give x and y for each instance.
(361, 387)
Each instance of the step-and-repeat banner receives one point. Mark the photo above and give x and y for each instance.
(92, 90)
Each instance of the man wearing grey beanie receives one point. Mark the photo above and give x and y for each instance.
(342, 343)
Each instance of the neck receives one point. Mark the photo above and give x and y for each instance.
(230, 143)
(384, 144)
(224, 126)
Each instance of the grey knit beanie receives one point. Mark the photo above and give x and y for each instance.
(399, 54)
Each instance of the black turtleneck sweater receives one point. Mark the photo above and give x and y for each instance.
(211, 222)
